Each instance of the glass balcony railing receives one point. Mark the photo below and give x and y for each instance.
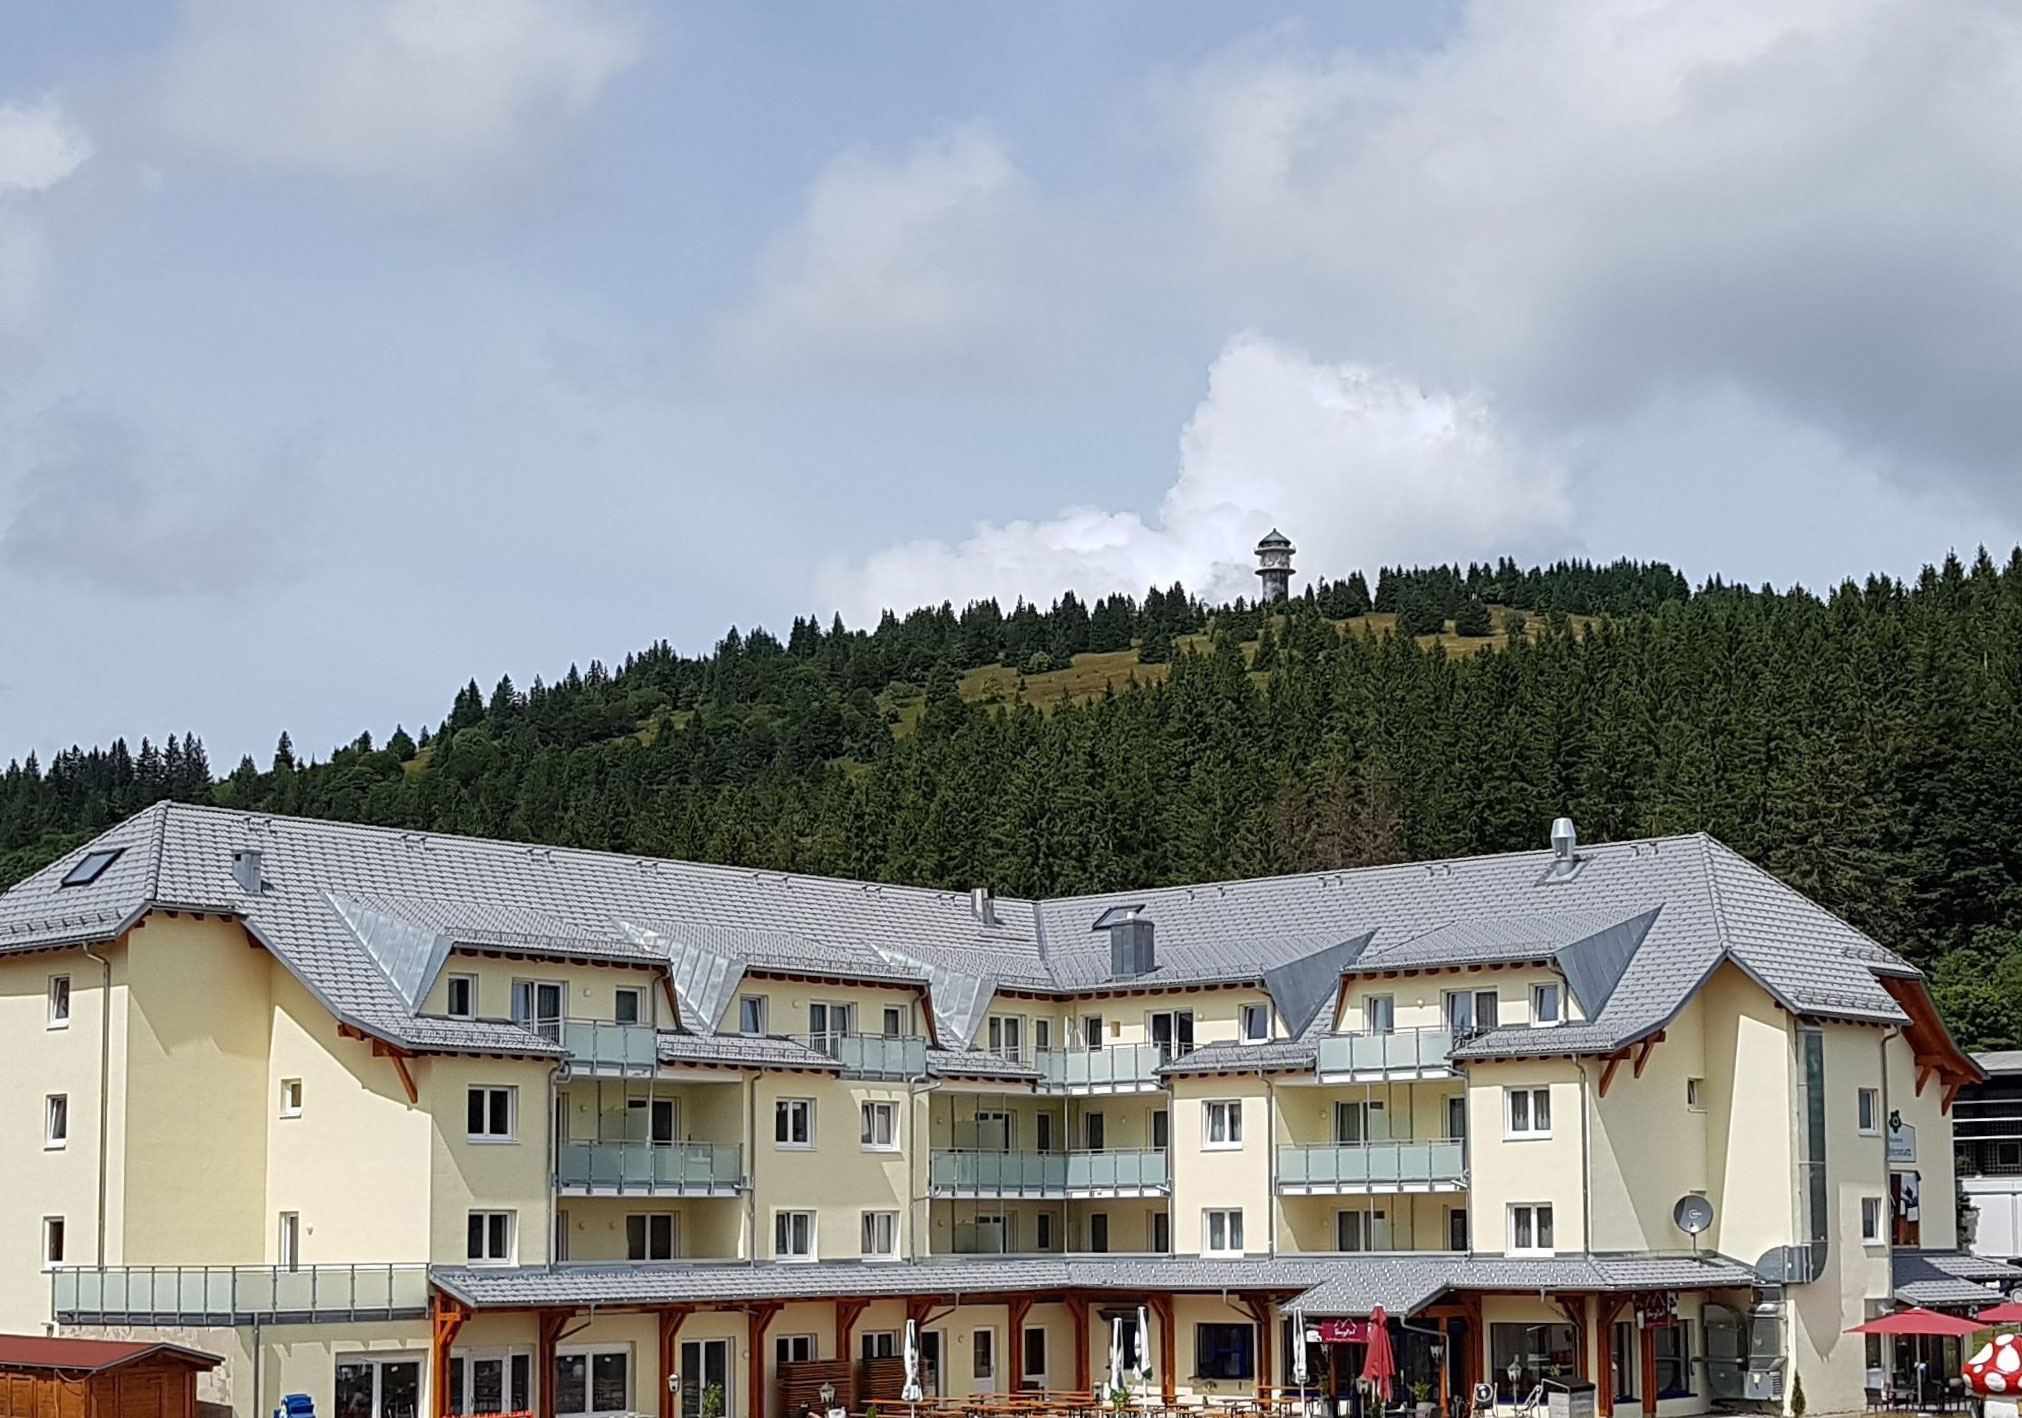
(666, 1168)
(1122, 1068)
(1122, 1171)
(597, 1046)
(1402, 1051)
(872, 1055)
(224, 1295)
(1373, 1166)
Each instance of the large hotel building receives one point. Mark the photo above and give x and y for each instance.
(421, 1124)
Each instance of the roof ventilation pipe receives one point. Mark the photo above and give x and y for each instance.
(1565, 841)
(983, 905)
(246, 870)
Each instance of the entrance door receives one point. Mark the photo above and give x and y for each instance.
(1173, 1031)
(491, 1381)
(705, 1365)
(537, 1005)
(930, 1363)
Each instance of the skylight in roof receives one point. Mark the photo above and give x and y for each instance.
(1115, 916)
(92, 867)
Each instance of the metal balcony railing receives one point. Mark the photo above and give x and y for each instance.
(651, 1168)
(596, 1046)
(1118, 1172)
(1439, 1165)
(889, 1056)
(225, 1295)
(1121, 1068)
(1417, 1053)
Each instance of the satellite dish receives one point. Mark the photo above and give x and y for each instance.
(1693, 1213)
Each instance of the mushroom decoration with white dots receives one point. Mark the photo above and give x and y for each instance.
(1995, 1373)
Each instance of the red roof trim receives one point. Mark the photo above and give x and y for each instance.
(30, 1351)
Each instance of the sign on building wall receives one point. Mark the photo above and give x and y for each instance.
(1902, 1141)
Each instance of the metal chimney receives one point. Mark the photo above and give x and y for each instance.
(1131, 949)
(983, 905)
(246, 870)
(1565, 841)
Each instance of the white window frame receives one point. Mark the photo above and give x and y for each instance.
(784, 1109)
(1045, 1231)
(1365, 1221)
(1256, 1023)
(1556, 993)
(1529, 1130)
(639, 1004)
(55, 1232)
(1868, 1101)
(783, 1226)
(1222, 1125)
(1695, 1095)
(56, 1122)
(745, 1003)
(983, 1353)
(59, 1001)
(646, 1220)
(879, 1344)
(1379, 1014)
(463, 1379)
(469, 984)
(895, 1021)
(1092, 1037)
(1534, 1217)
(869, 1115)
(1005, 1036)
(488, 1137)
(1228, 1220)
(795, 1349)
(291, 1097)
(876, 1226)
(1874, 1211)
(379, 1363)
(591, 1353)
(288, 1240)
(485, 1219)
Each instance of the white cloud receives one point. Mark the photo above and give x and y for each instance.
(1358, 466)
(40, 148)
(1578, 205)
(930, 266)
(435, 93)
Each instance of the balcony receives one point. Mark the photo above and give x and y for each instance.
(226, 1295)
(1122, 1172)
(1121, 1068)
(600, 1049)
(892, 1057)
(1364, 1167)
(1376, 1058)
(650, 1169)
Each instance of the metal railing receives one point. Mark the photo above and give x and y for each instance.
(1417, 1051)
(1121, 1068)
(1048, 1174)
(1363, 1166)
(672, 1168)
(224, 1295)
(872, 1055)
(596, 1044)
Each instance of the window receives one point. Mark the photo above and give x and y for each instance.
(1695, 1095)
(1256, 1023)
(652, 1120)
(591, 1381)
(1871, 1220)
(1222, 1232)
(649, 1235)
(462, 996)
(291, 1097)
(1098, 1232)
(1456, 1117)
(793, 1235)
(491, 1238)
(1224, 1351)
(983, 1348)
(1042, 1035)
(793, 1122)
(52, 1242)
(1545, 1004)
(751, 1014)
(1161, 1129)
(489, 1114)
(828, 1024)
(880, 1344)
(1530, 1112)
(1470, 1010)
(1223, 1123)
(1870, 1111)
(1673, 1343)
(995, 1131)
(1091, 1031)
(1535, 1352)
(537, 1005)
(1006, 1036)
(793, 1349)
(895, 1022)
(881, 1235)
(91, 866)
(1361, 1231)
(1530, 1229)
(1456, 1228)
(1173, 1031)
(1161, 1232)
(628, 1004)
(288, 1241)
(1093, 1131)
(1042, 1132)
(1359, 1122)
(1379, 1014)
(1042, 1231)
(1035, 1356)
(56, 1121)
(378, 1388)
(59, 1001)
(491, 1381)
(881, 1127)
(560, 1248)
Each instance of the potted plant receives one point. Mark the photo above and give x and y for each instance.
(712, 1401)
(1119, 1399)
(1421, 1397)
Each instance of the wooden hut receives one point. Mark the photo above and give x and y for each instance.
(98, 1378)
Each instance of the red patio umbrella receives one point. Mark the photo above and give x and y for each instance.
(1919, 1321)
(1379, 1365)
(2007, 1312)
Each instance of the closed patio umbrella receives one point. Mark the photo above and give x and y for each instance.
(1298, 1374)
(912, 1392)
(1143, 1348)
(1116, 1378)
(1916, 1320)
(1379, 1365)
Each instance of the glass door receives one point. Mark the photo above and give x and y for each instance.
(827, 1024)
(491, 1381)
(705, 1377)
(930, 1363)
(537, 1005)
(378, 1388)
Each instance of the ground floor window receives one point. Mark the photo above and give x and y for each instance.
(1521, 1356)
(880, 1344)
(593, 1381)
(1224, 1351)
(793, 1349)
(491, 1381)
(371, 1387)
(1673, 1346)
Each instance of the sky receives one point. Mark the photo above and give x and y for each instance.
(351, 349)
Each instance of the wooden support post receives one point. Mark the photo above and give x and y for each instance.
(1574, 1308)
(1445, 1363)
(1614, 1061)
(670, 1356)
(1258, 1309)
(1168, 1347)
(548, 1325)
(1643, 1051)
(1474, 1361)
(1020, 1309)
(446, 1317)
(1077, 1311)
(847, 1313)
(757, 1320)
(1647, 1380)
(1609, 1307)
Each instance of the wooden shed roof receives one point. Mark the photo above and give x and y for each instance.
(34, 1351)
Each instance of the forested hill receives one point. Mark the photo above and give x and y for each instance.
(1865, 746)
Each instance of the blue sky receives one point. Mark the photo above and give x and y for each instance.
(352, 349)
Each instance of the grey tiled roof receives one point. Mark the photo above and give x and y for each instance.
(1278, 1055)
(742, 1050)
(1702, 905)
(2000, 1061)
(977, 1063)
(1950, 1279)
(1318, 1285)
(1959, 1265)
